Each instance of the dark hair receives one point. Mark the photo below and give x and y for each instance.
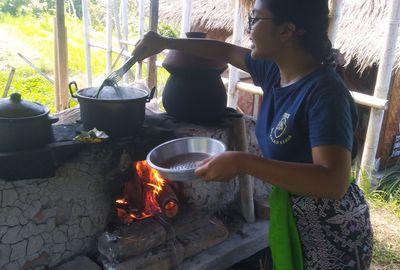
(311, 18)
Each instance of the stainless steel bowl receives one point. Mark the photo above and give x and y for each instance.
(176, 159)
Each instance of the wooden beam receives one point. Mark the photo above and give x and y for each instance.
(86, 20)
(238, 28)
(109, 26)
(141, 34)
(185, 21)
(62, 55)
(359, 98)
(382, 86)
(151, 67)
(245, 180)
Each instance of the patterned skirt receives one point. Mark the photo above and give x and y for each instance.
(335, 234)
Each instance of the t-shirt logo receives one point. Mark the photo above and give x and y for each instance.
(279, 134)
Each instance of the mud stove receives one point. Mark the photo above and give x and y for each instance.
(99, 206)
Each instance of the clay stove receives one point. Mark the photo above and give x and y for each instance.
(53, 216)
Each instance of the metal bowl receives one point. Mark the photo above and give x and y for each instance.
(176, 159)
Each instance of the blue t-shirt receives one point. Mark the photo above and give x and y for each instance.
(316, 110)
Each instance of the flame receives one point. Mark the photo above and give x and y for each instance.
(154, 183)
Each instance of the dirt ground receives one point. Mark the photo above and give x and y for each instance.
(386, 228)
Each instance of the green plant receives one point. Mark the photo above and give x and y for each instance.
(167, 30)
(390, 184)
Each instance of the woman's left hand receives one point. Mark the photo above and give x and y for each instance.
(222, 167)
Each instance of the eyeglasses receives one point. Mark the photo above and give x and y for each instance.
(252, 21)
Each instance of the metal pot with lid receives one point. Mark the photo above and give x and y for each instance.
(24, 124)
(119, 111)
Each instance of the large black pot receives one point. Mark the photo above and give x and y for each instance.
(23, 124)
(119, 111)
(194, 91)
(195, 96)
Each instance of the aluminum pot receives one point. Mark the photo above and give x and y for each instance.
(119, 111)
(23, 124)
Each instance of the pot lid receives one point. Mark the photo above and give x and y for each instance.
(113, 93)
(15, 107)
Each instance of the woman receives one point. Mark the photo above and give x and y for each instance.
(305, 130)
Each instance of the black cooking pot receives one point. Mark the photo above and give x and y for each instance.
(194, 91)
(24, 124)
(119, 111)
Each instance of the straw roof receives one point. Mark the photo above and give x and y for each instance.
(360, 36)
(361, 32)
(209, 14)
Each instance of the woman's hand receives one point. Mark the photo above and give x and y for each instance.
(222, 167)
(152, 43)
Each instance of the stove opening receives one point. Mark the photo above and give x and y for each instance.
(145, 194)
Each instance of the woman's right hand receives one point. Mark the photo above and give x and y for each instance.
(152, 43)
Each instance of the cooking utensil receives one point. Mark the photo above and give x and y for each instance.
(116, 76)
(119, 112)
(23, 124)
(177, 159)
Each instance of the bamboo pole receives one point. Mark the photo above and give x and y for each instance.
(85, 15)
(151, 67)
(238, 28)
(382, 86)
(109, 26)
(8, 84)
(186, 13)
(381, 90)
(141, 34)
(334, 15)
(56, 73)
(245, 180)
(36, 68)
(359, 98)
(125, 31)
(62, 56)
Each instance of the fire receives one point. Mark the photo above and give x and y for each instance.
(154, 184)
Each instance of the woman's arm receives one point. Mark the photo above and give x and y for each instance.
(327, 177)
(208, 48)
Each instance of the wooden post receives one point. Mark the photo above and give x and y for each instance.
(109, 26)
(141, 34)
(61, 56)
(238, 29)
(186, 12)
(85, 15)
(125, 32)
(56, 72)
(334, 15)
(152, 68)
(382, 86)
(245, 180)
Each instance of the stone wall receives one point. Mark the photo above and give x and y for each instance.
(46, 221)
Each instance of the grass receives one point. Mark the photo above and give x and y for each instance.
(36, 35)
(384, 204)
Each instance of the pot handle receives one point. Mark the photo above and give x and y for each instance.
(53, 119)
(73, 83)
(153, 90)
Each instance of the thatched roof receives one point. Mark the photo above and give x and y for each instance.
(362, 24)
(210, 14)
(362, 29)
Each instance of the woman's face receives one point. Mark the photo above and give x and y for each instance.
(264, 34)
